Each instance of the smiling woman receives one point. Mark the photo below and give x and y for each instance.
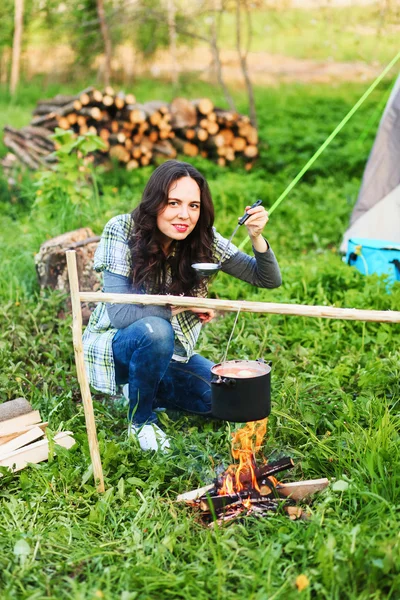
(150, 350)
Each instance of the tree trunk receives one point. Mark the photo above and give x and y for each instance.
(106, 41)
(172, 40)
(243, 60)
(16, 54)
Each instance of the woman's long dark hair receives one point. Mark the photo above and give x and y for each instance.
(148, 259)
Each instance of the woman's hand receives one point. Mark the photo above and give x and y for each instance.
(204, 314)
(257, 221)
(255, 225)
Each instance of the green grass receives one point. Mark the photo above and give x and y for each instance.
(335, 398)
(352, 33)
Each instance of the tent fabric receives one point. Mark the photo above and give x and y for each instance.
(380, 181)
(381, 222)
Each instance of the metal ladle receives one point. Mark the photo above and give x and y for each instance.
(208, 269)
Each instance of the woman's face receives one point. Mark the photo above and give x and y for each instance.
(178, 218)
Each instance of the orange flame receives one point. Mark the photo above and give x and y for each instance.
(246, 443)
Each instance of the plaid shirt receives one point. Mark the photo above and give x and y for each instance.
(113, 255)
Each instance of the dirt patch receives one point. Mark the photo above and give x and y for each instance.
(266, 69)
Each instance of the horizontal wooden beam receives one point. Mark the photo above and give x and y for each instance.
(299, 310)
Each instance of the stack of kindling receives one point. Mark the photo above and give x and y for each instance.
(22, 436)
(136, 134)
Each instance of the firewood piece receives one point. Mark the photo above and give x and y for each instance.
(165, 147)
(34, 453)
(17, 423)
(250, 151)
(130, 99)
(183, 113)
(120, 100)
(136, 113)
(92, 112)
(251, 135)
(203, 105)
(225, 117)
(49, 121)
(215, 141)
(120, 153)
(108, 100)
(72, 118)
(22, 154)
(117, 138)
(14, 408)
(219, 502)
(238, 144)
(296, 512)
(75, 105)
(229, 153)
(58, 100)
(132, 164)
(261, 472)
(6, 438)
(212, 128)
(299, 490)
(21, 440)
(153, 136)
(185, 147)
(195, 494)
(201, 134)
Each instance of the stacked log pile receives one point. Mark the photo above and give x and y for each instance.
(22, 436)
(136, 134)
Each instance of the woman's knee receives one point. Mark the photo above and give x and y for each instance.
(159, 333)
(152, 334)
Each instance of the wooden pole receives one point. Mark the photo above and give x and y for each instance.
(300, 310)
(81, 371)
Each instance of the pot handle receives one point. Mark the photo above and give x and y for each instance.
(223, 380)
(265, 362)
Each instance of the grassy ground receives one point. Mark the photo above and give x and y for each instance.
(364, 33)
(335, 398)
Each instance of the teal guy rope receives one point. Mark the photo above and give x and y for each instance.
(329, 139)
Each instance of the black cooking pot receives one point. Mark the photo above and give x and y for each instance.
(241, 390)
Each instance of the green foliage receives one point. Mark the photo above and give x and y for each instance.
(335, 396)
(68, 192)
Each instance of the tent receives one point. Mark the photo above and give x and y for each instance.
(376, 214)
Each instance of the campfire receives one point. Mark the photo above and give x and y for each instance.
(250, 488)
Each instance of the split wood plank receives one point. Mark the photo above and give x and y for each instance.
(35, 453)
(299, 490)
(301, 310)
(6, 438)
(17, 423)
(195, 494)
(21, 440)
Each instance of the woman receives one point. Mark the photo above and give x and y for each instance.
(150, 349)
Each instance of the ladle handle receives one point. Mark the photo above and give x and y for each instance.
(246, 214)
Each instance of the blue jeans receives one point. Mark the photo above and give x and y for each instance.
(143, 358)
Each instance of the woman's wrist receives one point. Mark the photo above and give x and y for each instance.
(259, 243)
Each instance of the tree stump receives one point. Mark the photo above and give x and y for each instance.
(51, 264)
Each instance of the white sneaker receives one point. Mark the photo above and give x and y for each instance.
(150, 436)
